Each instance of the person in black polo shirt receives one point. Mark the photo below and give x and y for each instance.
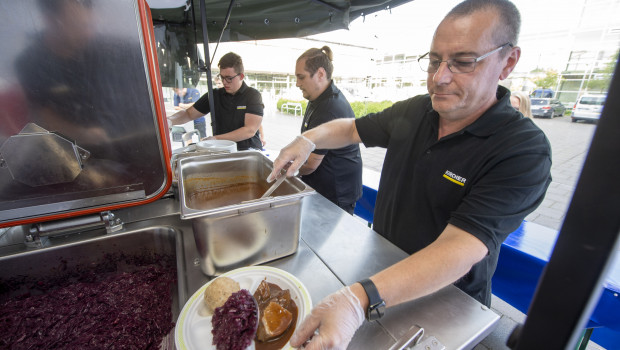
(462, 170)
(334, 173)
(238, 107)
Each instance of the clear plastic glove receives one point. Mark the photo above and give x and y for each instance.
(295, 153)
(209, 138)
(337, 318)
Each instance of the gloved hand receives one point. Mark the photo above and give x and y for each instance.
(295, 153)
(337, 318)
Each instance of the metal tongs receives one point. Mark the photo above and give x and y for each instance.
(276, 184)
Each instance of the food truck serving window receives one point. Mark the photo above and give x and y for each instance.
(78, 127)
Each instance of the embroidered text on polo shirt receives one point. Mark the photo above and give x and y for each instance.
(459, 180)
(241, 107)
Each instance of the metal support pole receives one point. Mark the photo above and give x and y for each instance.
(207, 66)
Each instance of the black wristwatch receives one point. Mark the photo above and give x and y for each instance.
(376, 305)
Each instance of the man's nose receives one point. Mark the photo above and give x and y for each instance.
(443, 75)
(297, 83)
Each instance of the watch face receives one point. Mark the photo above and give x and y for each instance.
(376, 311)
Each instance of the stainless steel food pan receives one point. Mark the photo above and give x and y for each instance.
(232, 225)
(45, 267)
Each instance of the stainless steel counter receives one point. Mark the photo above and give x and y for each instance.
(353, 251)
(337, 249)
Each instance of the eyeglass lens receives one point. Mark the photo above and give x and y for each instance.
(455, 65)
(464, 65)
(228, 79)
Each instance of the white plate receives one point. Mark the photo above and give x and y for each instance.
(193, 328)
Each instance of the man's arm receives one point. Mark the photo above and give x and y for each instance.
(261, 133)
(441, 263)
(312, 163)
(185, 105)
(184, 116)
(251, 125)
(334, 134)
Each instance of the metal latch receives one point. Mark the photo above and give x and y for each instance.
(79, 224)
(412, 340)
(111, 222)
(430, 343)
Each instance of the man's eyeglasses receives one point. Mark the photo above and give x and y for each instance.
(228, 79)
(455, 65)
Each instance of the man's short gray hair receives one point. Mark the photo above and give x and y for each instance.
(509, 17)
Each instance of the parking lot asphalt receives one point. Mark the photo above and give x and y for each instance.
(569, 143)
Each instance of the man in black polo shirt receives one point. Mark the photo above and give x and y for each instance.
(462, 170)
(334, 173)
(238, 107)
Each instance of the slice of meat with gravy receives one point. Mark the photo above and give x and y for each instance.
(277, 312)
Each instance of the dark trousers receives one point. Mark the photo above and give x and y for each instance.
(201, 127)
(349, 208)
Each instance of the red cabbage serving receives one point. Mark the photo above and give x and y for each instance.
(235, 323)
(122, 310)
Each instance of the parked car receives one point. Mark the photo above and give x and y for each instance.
(588, 107)
(542, 93)
(547, 108)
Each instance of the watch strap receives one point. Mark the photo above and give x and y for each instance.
(376, 305)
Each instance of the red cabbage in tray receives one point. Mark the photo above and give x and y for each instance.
(113, 310)
(234, 324)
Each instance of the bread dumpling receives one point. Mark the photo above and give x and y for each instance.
(219, 291)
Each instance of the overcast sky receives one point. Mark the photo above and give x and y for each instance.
(548, 32)
(418, 19)
(409, 28)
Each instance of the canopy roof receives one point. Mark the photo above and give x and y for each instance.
(268, 19)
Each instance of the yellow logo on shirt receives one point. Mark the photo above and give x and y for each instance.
(241, 107)
(459, 180)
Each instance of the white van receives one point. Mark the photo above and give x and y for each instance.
(588, 107)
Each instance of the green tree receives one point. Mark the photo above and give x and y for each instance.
(601, 82)
(359, 108)
(362, 108)
(550, 80)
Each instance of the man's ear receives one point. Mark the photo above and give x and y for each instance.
(241, 76)
(322, 73)
(511, 62)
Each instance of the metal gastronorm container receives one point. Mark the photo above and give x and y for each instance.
(232, 225)
(67, 261)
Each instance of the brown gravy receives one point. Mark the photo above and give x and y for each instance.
(225, 195)
(279, 342)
